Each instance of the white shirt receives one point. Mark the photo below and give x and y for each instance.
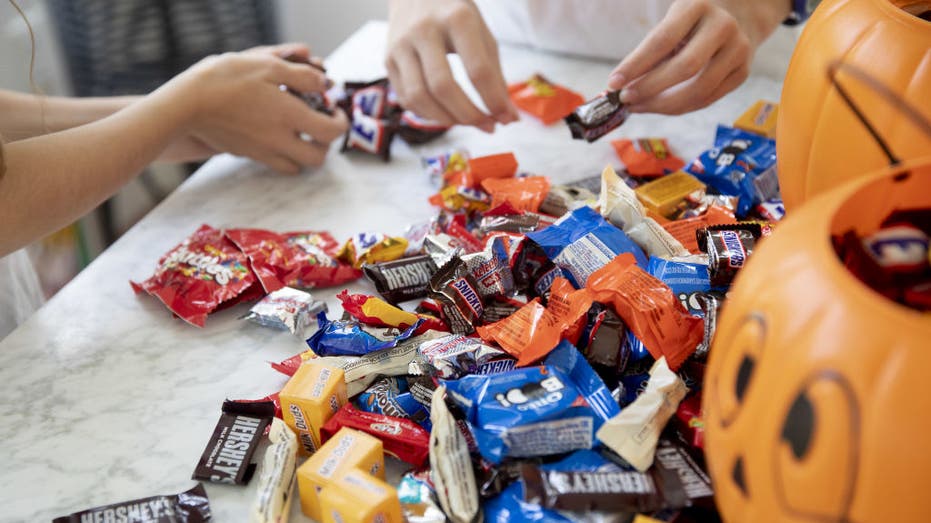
(20, 292)
(606, 29)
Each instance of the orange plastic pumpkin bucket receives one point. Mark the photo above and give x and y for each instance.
(820, 142)
(815, 400)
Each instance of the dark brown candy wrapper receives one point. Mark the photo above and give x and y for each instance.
(316, 101)
(190, 506)
(416, 130)
(728, 248)
(403, 279)
(228, 455)
(618, 491)
(457, 293)
(597, 117)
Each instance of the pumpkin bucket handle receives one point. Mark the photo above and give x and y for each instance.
(910, 112)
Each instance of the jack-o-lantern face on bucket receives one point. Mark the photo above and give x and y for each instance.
(815, 403)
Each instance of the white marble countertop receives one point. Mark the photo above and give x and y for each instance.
(108, 398)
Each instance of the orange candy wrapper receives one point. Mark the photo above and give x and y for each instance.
(647, 156)
(502, 165)
(534, 330)
(545, 100)
(684, 230)
(524, 194)
(649, 308)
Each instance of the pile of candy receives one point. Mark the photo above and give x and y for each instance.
(552, 366)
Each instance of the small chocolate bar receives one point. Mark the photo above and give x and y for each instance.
(597, 117)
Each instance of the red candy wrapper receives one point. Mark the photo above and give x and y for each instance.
(689, 421)
(305, 259)
(402, 438)
(289, 366)
(199, 275)
(647, 156)
(375, 311)
(547, 101)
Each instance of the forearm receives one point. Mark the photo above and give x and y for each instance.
(26, 115)
(54, 179)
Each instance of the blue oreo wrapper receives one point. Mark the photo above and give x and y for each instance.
(535, 411)
(686, 280)
(740, 164)
(582, 242)
(351, 338)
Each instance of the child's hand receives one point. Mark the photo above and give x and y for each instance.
(236, 105)
(699, 52)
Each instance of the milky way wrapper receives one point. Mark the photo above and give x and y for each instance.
(273, 497)
(451, 465)
(634, 433)
(190, 506)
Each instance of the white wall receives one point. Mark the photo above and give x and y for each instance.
(49, 73)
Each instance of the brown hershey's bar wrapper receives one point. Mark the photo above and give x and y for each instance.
(190, 506)
(228, 455)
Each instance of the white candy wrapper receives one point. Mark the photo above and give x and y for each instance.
(618, 202)
(451, 467)
(286, 309)
(634, 433)
(655, 240)
(276, 483)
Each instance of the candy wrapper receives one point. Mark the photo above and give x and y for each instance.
(418, 499)
(597, 117)
(684, 230)
(276, 481)
(634, 433)
(190, 506)
(543, 99)
(199, 275)
(582, 242)
(564, 198)
(447, 168)
(286, 309)
(365, 248)
(524, 193)
(403, 279)
(402, 438)
(416, 130)
(531, 332)
(456, 198)
(648, 157)
(649, 309)
(688, 281)
(303, 259)
(535, 411)
(455, 355)
(450, 464)
(738, 166)
(350, 338)
(728, 248)
(669, 195)
(760, 118)
(373, 311)
(491, 269)
(454, 288)
(502, 165)
(392, 397)
(228, 455)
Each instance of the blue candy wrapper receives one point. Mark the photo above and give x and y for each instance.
(687, 281)
(740, 164)
(510, 506)
(391, 397)
(535, 411)
(351, 338)
(582, 242)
